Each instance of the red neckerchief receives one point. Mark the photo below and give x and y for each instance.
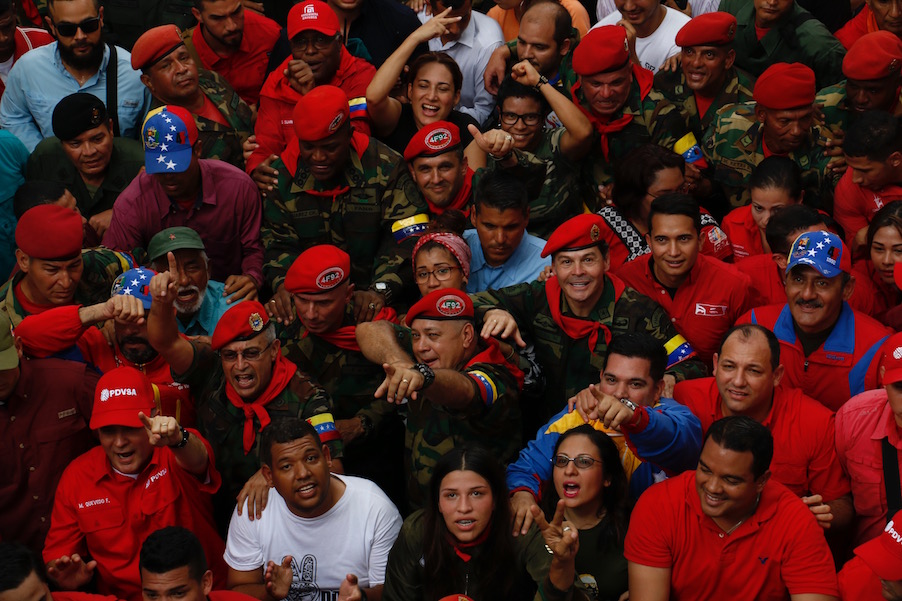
(458, 546)
(578, 327)
(283, 371)
(28, 306)
(767, 151)
(492, 354)
(703, 103)
(460, 201)
(359, 142)
(644, 78)
(345, 337)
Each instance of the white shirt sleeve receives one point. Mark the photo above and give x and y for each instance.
(243, 549)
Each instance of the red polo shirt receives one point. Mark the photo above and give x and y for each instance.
(246, 69)
(743, 233)
(704, 307)
(27, 38)
(805, 459)
(105, 515)
(779, 551)
(858, 582)
(854, 206)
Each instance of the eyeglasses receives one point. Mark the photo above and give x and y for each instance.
(320, 42)
(582, 462)
(440, 273)
(68, 30)
(249, 354)
(509, 118)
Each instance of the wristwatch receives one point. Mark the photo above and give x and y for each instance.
(426, 372)
(383, 289)
(629, 404)
(184, 442)
(542, 81)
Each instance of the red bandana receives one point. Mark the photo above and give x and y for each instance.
(462, 199)
(283, 371)
(578, 327)
(459, 546)
(345, 337)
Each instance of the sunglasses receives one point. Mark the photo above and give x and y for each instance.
(68, 30)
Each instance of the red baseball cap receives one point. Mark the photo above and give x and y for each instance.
(318, 269)
(432, 140)
(50, 232)
(120, 395)
(314, 15)
(892, 359)
(242, 322)
(873, 56)
(785, 86)
(709, 29)
(884, 553)
(442, 304)
(320, 112)
(577, 232)
(154, 44)
(603, 49)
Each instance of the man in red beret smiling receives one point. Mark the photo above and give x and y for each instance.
(460, 388)
(435, 158)
(779, 122)
(242, 382)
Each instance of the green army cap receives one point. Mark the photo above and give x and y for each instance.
(9, 356)
(172, 239)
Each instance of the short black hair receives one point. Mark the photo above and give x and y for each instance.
(282, 430)
(639, 345)
(6, 5)
(452, 4)
(778, 172)
(172, 548)
(636, 173)
(676, 204)
(746, 330)
(510, 88)
(501, 190)
(793, 218)
(742, 434)
(18, 563)
(35, 193)
(875, 135)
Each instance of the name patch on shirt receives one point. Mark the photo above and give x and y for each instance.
(66, 413)
(94, 503)
(710, 310)
(155, 477)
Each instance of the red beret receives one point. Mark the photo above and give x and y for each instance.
(432, 140)
(785, 86)
(603, 49)
(320, 112)
(314, 15)
(120, 395)
(154, 44)
(242, 322)
(577, 232)
(50, 232)
(318, 269)
(444, 303)
(873, 56)
(709, 29)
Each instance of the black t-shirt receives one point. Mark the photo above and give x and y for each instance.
(407, 127)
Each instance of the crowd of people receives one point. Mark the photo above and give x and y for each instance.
(437, 300)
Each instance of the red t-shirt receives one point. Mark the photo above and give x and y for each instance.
(858, 582)
(779, 551)
(854, 206)
(743, 233)
(805, 459)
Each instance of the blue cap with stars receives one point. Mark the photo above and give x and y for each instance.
(135, 282)
(169, 133)
(824, 251)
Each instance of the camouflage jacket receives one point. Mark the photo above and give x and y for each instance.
(670, 88)
(567, 364)
(375, 192)
(101, 268)
(220, 141)
(832, 103)
(734, 148)
(222, 424)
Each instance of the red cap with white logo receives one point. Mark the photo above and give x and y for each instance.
(892, 359)
(884, 553)
(120, 395)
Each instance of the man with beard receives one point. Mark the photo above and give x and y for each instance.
(69, 332)
(200, 301)
(78, 61)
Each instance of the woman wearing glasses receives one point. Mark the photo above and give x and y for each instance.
(441, 257)
(589, 478)
(461, 542)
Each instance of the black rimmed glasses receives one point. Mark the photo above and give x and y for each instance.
(249, 354)
(440, 273)
(510, 118)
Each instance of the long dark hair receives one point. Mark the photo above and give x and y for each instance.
(888, 215)
(494, 576)
(616, 502)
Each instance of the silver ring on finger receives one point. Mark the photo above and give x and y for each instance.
(566, 528)
(372, 306)
(405, 381)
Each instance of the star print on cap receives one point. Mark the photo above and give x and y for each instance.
(135, 282)
(169, 133)
(824, 251)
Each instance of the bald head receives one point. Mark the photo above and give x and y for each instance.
(549, 11)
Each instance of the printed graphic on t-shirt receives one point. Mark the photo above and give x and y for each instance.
(303, 582)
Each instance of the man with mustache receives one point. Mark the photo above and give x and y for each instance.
(827, 348)
(78, 61)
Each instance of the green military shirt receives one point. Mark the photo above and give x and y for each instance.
(832, 103)
(222, 424)
(49, 162)
(567, 364)
(798, 38)
(734, 148)
(374, 192)
(220, 141)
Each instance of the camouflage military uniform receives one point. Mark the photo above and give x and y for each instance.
(101, 268)
(832, 103)
(375, 192)
(567, 363)
(734, 148)
(49, 162)
(222, 424)
(220, 141)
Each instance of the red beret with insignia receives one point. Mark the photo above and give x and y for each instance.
(785, 86)
(432, 140)
(242, 322)
(320, 112)
(154, 44)
(442, 304)
(50, 232)
(314, 15)
(318, 269)
(709, 29)
(577, 232)
(873, 56)
(603, 49)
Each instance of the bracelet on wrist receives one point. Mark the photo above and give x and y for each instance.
(184, 441)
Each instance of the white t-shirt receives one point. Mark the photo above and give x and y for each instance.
(699, 7)
(354, 537)
(659, 46)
